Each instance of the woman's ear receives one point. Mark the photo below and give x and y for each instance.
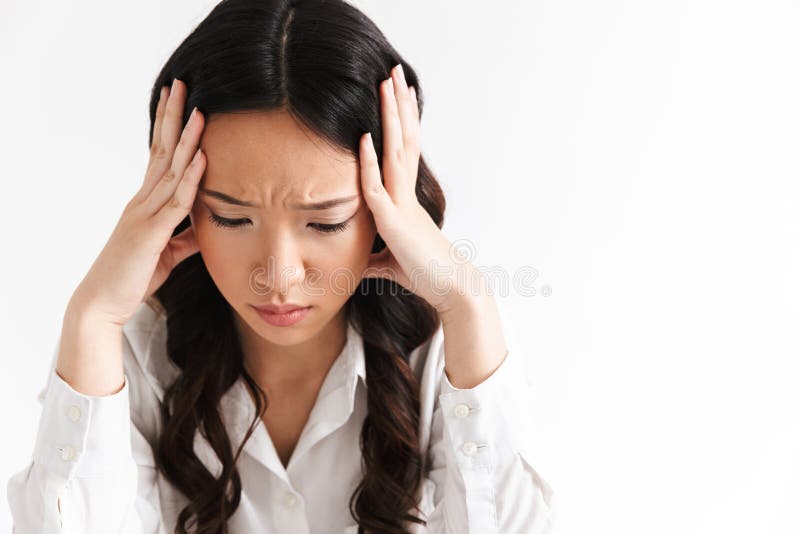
(378, 265)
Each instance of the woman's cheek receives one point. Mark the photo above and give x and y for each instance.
(342, 270)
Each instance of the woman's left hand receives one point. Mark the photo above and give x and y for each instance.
(418, 256)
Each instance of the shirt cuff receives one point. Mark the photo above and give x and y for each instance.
(83, 435)
(488, 424)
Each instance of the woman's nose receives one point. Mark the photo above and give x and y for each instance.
(281, 270)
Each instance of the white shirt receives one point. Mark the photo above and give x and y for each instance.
(92, 468)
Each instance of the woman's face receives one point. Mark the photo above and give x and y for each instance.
(280, 250)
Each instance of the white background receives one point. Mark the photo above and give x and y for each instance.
(642, 156)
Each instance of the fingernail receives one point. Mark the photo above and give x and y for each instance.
(163, 93)
(391, 84)
(174, 83)
(400, 74)
(192, 114)
(196, 157)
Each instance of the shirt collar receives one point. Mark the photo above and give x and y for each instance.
(335, 404)
(347, 368)
(147, 333)
(355, 353)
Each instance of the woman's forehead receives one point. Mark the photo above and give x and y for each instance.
(275, 133)
(253, 154)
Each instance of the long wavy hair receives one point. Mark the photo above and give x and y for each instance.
(322, 61)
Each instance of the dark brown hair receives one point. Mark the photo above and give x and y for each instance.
(322, 61)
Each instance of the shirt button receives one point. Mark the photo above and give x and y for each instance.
(289, 500)
(461, 410)
(469, 448)
(67, 453)
(74, 413)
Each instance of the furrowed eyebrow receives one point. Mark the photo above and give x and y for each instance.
(227, 199)
(322, 205)
(325, 204)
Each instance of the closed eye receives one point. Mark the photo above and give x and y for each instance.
(320, 227)
(338, 227)
(227, 223)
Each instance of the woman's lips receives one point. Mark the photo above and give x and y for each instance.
(292, 314)
(283, 308)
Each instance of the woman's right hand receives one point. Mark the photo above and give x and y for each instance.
(140, 254)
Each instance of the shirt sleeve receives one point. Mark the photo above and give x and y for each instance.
(82, 477)
(481, 458)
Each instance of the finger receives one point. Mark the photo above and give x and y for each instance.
(180, 203)
(394, 167)
(171, 126)
(159, 120)
(187, 147)
(378, 199)
(173, 118)
(414, 164)
(150, 177)
(408, 122)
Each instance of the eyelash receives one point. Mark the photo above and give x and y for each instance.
(233, 223)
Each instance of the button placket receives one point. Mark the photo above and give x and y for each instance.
(68, 453)
(462, 410)
(289, 499)
(470, 448)
(74, 413)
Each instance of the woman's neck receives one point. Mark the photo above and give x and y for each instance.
(283, 369)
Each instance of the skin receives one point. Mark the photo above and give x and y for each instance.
(271, 161)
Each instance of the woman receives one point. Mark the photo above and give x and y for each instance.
(277, 337)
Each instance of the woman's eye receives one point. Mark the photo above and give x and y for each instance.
(338, 227)
(226, 223)
(233, 223)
